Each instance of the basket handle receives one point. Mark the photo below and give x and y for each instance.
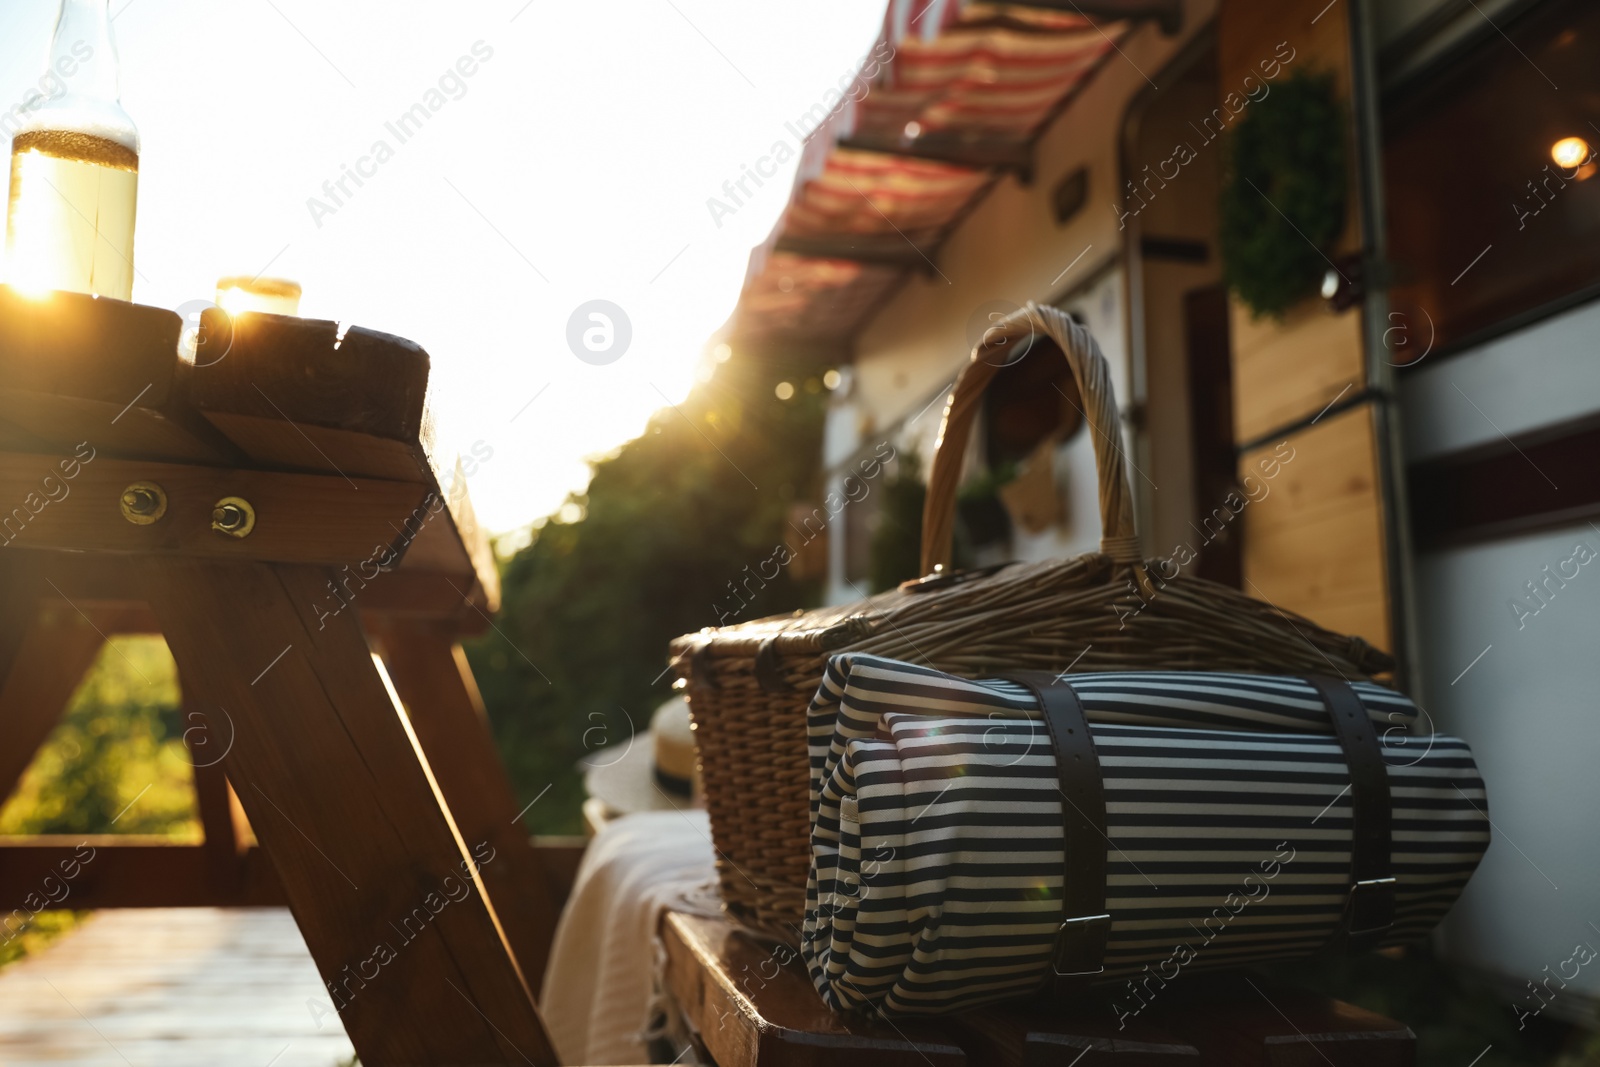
(1119, 540)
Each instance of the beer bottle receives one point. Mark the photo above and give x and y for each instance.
(74, 167)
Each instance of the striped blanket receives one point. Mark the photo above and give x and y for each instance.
(936, 818)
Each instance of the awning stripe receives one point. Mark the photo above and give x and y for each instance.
(982, 74)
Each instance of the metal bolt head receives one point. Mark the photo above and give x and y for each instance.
(143, 503)
(233, 516)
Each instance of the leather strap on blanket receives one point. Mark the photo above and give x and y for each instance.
(1081, 940)
(1370, 910)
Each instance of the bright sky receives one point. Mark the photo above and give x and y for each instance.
(576, 166)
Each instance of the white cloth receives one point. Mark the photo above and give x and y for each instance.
(600, 986)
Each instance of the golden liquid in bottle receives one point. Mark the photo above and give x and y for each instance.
(69, 221)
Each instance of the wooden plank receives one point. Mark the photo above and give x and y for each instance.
(337, 793)
(127, 871)
(290, 392)
(170, 987)
(226, 833)
(1237, 1021)
(748, 1004)
(114, 619)
(22, 585)
(1289, 370)
(277, 378)
(71, 344)
(109, 590)
(1318, 545)
(1248, 31)
(73, 503)
(266, 437)
(415, 596)
(441, 698)
(1085, 1032)
(73, 368)
(59, 647)
(44, 422)
(474, 538)
(1314, 545)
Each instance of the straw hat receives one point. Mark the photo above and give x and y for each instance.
(652, 772)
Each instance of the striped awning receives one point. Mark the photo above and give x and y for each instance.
(959, 95)
(807, 300)
(873, 193)
(993, 71)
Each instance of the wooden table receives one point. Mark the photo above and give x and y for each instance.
(749, 1004)
(393, 837)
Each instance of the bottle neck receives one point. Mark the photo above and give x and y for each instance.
(83, 53)
(79, 91)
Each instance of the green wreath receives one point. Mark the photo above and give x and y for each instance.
(1283, 195)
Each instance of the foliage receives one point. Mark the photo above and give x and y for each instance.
(895, 553)
(981, 516)
(678, 530)
(1283, 199)
(896, 548)
(33, 938)
(118, 751)
(116, 763)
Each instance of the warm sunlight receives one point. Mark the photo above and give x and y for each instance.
(849, 533)
(276, 296)
(70, 215)
(348, 148)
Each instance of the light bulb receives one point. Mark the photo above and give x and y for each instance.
(1570, 152)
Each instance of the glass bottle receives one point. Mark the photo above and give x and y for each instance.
(74, 167)
(237, 294)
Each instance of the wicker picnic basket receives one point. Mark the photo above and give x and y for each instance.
(749, 685)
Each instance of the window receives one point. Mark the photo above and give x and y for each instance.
(1491, 178)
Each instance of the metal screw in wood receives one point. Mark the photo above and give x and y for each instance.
(143, 503)
(232, 516)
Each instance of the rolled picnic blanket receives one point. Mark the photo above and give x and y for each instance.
(1232, 829)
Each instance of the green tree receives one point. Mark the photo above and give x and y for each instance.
(669, 524)
(117, 762)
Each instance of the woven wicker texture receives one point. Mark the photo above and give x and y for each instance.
(749, 685)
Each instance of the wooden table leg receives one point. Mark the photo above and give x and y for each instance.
(19, 599)
(441, 697)
(370, 859)
(56, 650)
(208, 738)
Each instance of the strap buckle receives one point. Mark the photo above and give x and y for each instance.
(1080, 938)
(1371, 905)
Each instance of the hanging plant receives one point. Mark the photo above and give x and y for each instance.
(1283, 194)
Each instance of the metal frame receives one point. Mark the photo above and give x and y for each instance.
(1365, 103)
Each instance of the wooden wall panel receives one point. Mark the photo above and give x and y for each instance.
(1315, 544)
(1287, 371)
(1249, 30)
(1290, 369)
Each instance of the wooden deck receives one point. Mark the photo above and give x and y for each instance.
(170, 987)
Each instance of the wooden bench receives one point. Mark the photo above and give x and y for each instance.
(117, 462)
(750, 1004)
